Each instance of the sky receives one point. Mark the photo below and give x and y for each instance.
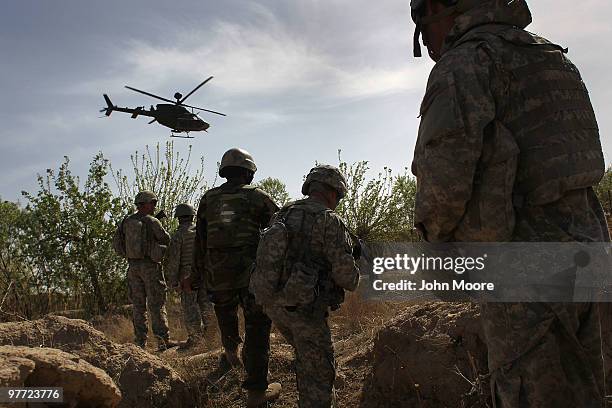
(299, 80)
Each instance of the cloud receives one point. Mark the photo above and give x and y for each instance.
(260, 55)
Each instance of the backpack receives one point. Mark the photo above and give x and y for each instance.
(132, 240)
(282, 273)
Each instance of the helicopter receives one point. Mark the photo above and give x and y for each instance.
(173, 115)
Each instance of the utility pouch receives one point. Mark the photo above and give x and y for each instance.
(301, 287)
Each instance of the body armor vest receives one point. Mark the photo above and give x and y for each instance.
(187, 246)
(231, 217)
(547, 108)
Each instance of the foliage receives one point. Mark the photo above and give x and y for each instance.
(65, 235)
(277, 190)
(604, 190)
(379, 208)
(13, 286)
(165, 173)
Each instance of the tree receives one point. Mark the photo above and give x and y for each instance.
(15, 285)
(277, 190)
(165, 173)
(604, 190)
(380, 208)
(67, 237)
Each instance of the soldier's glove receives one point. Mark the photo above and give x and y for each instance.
(161, 215)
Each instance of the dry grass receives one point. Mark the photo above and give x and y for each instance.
(352, 326)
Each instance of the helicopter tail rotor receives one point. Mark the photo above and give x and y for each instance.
(109, 106)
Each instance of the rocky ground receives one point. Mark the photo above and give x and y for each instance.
(389, 355)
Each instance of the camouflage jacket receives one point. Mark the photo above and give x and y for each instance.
(508, 146)
(327, 244)
(229, 220)
(179, 257)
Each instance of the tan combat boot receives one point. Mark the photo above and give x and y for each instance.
(257, 398)
(165, 344)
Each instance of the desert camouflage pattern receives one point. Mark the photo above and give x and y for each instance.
(508, 150)
(184, 210)
(141, 237)
(326, 174)
(147, 290)
(144, 197)
(305, 327)
(229, 220)
(178, 267)
(179, 257)
(315, 365)
(196, 306)
(146, 284)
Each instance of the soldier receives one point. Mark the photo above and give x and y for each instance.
(508, 150)
(178, 267)
(142, 240)
(319, 266)
(229, 220)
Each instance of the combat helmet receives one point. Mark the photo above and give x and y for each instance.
(326, 174)
(417, 9)
(184, 210)
(237, 158)
(145, 197)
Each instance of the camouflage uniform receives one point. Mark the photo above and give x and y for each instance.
(229, 220)
(318, 239)
(508, 150)
(178, 267)
(146, 284)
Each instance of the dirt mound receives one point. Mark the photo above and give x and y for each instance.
(84, 385)
(431, 355)
(144, 379)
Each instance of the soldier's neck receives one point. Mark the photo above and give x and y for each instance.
(238, 181)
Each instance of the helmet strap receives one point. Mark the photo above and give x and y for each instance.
(417, 44)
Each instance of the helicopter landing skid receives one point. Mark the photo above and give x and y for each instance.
(181, 137)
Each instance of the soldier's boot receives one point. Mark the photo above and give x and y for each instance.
(140, 343)
(231, 356)
(191, 342)
(165, 344)
(257, 398)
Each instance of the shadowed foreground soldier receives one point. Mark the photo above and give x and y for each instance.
(508, 150)
(304, 264)
(141, 239)
(179, 271)
(229, 220)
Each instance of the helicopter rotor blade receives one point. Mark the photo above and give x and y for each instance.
(195, 89)
(153, 121)
(149, 94)
(202, 109)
